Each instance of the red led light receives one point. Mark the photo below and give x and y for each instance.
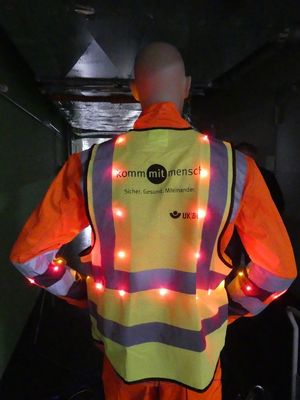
(203, 173)
(118, 212)
(197, 255)
(31, 280)
(115, 172)
(120, 140)
(121, 254)
(205, 138)
(122, 293)
(209, 292)
(163, 291)
(248, 288)
(201, 213)
(56, 268)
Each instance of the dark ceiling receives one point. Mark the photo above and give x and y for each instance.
(82, 52)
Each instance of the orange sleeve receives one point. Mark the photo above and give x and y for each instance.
(272, 268)
(261, 228)
(59, 217)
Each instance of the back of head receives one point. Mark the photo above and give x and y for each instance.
(160, 76)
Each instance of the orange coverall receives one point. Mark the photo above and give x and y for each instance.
(61, 216)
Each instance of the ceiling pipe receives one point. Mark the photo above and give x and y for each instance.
(46, 124)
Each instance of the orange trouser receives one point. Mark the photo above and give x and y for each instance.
(116, 389)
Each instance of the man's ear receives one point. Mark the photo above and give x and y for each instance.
(188, 81)
(134, 91)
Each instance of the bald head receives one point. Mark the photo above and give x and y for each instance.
(160, 76)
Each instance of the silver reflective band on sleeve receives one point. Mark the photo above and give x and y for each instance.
(252, 304)
(36, 266)
(62, 287)
(266, 280)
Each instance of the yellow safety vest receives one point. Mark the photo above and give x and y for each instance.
(159, 200)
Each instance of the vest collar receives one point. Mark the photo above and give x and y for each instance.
(161, 115)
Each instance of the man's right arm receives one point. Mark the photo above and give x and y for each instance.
(272, 268)
(57, 220)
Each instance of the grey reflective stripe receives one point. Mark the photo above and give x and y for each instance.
(62, 287)
(37, 265)
(180, 281)
(50, 277)
(240, 180)
(217, 198)
(159, 332)
(102, 195)
(266, 280)
(38, 268)
(251, 304)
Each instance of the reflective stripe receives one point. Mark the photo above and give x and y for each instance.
(179, 281)
(50, 277)
(159, 332)
(251, 304)
(240, 180)
(218, 192)
(235, 308)
(266, 280)
(37, 265)
(246, 293)
(102, 192)
(62, 287)
(59, 283)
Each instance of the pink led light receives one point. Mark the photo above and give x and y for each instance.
(201, 213)
(197, 255)
(121, 254)
(31, 280)
(203, 173)
(99, 286)
(163, 291)
(122, 293)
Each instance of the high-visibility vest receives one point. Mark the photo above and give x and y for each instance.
(158, 201)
